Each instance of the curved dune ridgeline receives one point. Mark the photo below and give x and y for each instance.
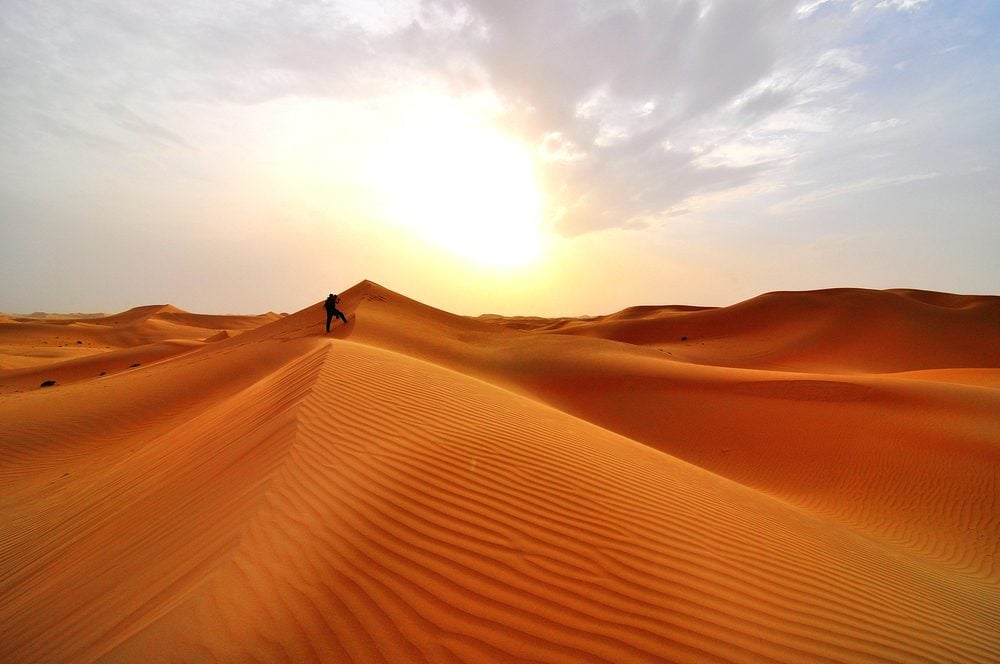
(806, 477)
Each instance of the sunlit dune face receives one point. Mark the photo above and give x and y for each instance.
(461, 186)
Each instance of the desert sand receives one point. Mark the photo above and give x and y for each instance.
(801, 477)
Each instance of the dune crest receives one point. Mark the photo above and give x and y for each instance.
(844, 330)
(27, 343)
(421, 486)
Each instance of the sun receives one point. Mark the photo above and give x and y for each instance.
(460, 185)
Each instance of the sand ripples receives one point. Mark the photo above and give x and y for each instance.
(482, 497)
(424, 515)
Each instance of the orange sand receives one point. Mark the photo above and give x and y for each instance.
(805, 477)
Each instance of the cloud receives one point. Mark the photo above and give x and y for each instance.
(887, 124)
(128, 119)
(901, 5)
(635, 107)
(616, 81)
(854, 187)
(806, 9)
(598, 87)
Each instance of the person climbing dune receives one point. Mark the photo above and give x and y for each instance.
(331, 310)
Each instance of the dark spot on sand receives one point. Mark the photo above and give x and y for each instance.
(47, 383)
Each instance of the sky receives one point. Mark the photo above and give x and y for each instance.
(565, 157)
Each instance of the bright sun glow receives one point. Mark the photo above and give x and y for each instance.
(461, 186)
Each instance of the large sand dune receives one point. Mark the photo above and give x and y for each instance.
(800, 477)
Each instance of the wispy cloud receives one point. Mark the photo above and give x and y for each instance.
(128, 119)
(901, 5)
(824, 193)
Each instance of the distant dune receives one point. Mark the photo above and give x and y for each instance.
(29, 342)
(801, 477)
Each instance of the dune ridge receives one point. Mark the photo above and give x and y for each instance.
(842, 330)
(803, 437)
(420, 486)
(31, 342)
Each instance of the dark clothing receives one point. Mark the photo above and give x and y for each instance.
(331, 314)
(331, 311)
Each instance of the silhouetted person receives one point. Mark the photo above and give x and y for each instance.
(331, 310)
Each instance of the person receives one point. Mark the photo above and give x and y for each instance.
(331, 310)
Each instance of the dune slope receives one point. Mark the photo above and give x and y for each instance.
(910, 463)
(419, 486)
(835, 331)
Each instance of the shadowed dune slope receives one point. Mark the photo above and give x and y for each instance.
(419, 486)
(838, 330)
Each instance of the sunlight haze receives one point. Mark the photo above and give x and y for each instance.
(523, 158)
(450, 179)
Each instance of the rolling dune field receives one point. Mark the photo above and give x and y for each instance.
(801, 477)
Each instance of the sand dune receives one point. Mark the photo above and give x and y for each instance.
(807, 477)
(833, 331)
(30, 342)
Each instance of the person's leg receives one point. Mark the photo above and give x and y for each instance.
(329, 317)
(341, 316)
